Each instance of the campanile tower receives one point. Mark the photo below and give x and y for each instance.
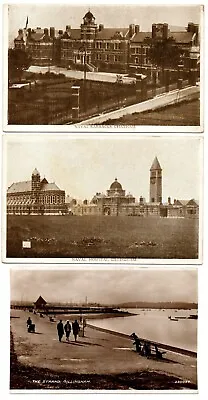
(155, 182)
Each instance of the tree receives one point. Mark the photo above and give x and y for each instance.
(18, 61)
(164, 53)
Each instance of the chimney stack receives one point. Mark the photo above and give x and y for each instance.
(169, 200)
(52, 32)
(137, 29)
(46, 31)
(101, 27)
(165, 31)
(131, 30)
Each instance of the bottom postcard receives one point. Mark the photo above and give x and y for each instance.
(104, 329)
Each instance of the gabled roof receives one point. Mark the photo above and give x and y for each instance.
(112, 33)
(155, 164)
(40, 301)
(191, 202)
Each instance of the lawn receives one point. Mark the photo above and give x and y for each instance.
(181, 114)
(99, 236)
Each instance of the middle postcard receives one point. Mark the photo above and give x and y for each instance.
(103, 199)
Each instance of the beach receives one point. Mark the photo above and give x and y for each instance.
(99, 360)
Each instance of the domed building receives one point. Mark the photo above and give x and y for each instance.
(117, 203)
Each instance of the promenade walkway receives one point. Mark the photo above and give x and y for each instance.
(95, 353)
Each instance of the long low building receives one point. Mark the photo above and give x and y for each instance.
(35, 197)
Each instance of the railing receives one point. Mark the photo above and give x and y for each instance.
(160, 345)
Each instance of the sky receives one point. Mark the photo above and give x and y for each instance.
(60, 15)
(84, 166)
(104, 286)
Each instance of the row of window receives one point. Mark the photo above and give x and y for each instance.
(48, 199)
(140, 50)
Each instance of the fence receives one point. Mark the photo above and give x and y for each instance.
(50, 103)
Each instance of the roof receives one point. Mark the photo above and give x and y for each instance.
(36, 35)
(26, 186)
(89, 15)
(155, 164)
(115, 185)
(35, 172)
(49, 186)
(74, 33)
(111, 33)
(18, 187)
(191, 202)
(140, 36)
(40, 301)
(179, 37)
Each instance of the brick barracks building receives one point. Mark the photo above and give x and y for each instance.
(105, 49)
(117, 203)
(35, 197)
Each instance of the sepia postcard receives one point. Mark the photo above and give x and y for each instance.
(99, 67)
(102, 199)
(103, 330)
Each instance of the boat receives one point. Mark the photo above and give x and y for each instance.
(172, 319)
(193, 316)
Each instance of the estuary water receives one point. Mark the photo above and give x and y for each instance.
(155, 325)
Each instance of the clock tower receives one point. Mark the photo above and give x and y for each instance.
(155, 182)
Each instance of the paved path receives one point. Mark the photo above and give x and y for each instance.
(97, 352)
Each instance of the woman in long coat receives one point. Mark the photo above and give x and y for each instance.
(75, 328)
(60, 329)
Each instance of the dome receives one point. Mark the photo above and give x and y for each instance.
(115, 185)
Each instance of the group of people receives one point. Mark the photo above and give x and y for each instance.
(145, 349)
(61, 328)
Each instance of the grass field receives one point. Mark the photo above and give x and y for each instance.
(93, 236)
(186, 113)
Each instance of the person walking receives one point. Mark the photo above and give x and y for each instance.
(75, 328)
(67, 328)
(60, 329)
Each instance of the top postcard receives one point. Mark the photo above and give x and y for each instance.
(119, 67)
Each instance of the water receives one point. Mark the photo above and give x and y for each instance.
(156, 326)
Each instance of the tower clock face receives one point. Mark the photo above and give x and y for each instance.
(153, 180)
